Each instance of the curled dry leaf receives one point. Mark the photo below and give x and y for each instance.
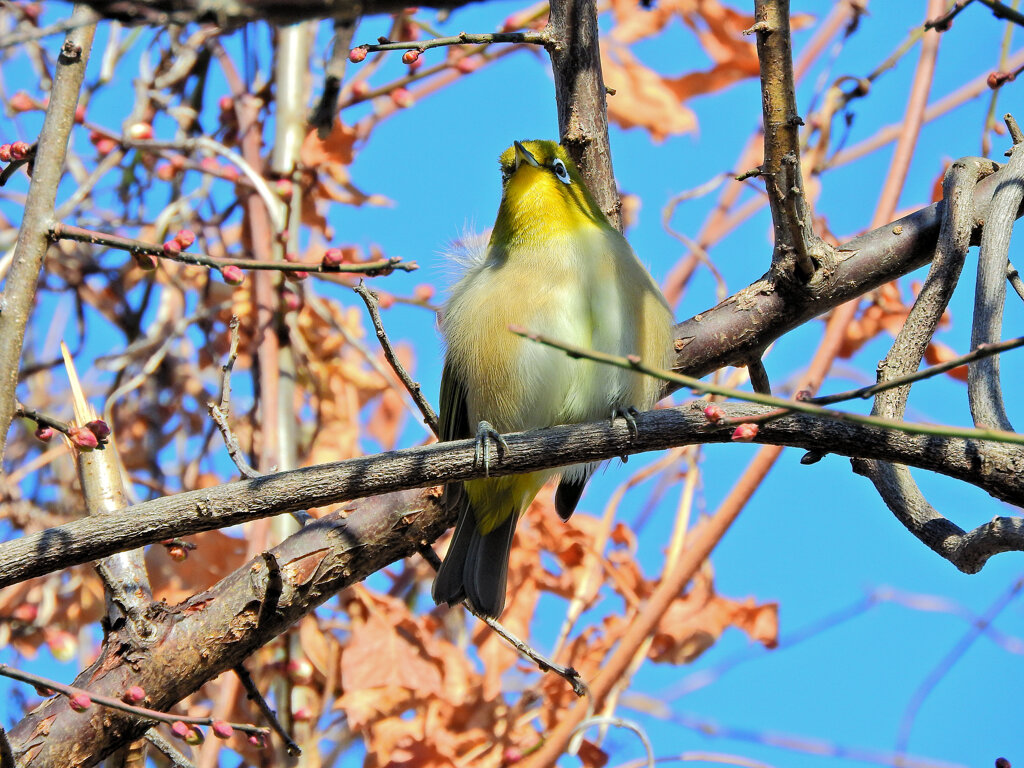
(642, 97)
(695, 621)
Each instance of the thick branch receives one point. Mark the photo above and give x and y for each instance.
(992, 467)
(33, 235)
(229, 13)
(747, 322)
(582, 98)
(215, 630)
(893, 480)
(984, 392)
(798, 250)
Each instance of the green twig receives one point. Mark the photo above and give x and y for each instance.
(634, 363)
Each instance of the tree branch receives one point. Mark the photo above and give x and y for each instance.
(33, 235)
(581, 97)
(229, 14)
(748, 321)
(86, 539)
(798, 250)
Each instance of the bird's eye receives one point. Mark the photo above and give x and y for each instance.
(561, 171)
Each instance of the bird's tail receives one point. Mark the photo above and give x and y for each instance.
(476, 566)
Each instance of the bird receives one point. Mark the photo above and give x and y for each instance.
(555, 265)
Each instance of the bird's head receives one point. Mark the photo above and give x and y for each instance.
(543, 193)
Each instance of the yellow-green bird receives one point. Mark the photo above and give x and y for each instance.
(555, 265)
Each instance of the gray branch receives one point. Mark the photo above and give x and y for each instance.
(992, 467)
(34, 234)
(984, 392)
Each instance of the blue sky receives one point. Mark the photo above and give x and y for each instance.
(817, 539)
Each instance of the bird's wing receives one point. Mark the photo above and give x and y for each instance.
(454, 418)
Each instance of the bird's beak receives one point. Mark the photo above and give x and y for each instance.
(523, 156)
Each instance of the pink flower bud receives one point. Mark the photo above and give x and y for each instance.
(172, 247)
(44, 433)
(401, 98)
(410, 57)
(20, 150)
(232, 274)
(291, 300)
(302, 715)
(333, 257)
(79, 702)
(83, 438)
(5, 152)
(22, 102)
(423, 292)
(357, 54)
(136, 694)
(222, 729)
(257, 740)
(714, 413)
(185, 238)
(105, 145)
(468, 64)
(194, 736)
(359, 89)
(180, 729)
(99, 428)
(744, 433)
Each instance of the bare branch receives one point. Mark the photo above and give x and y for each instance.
(221, 506)
(581, 97)
(33, 236)
(798, 250)
(984, 392)
(967, 551)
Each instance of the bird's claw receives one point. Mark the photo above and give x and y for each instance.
(485, 433)
(629, 414)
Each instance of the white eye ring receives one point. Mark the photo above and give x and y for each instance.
(561, 171)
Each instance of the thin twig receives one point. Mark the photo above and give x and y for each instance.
(945, 21)
(254, 695)
(41, 419)
(1014, 277)
(635, 364)
(978, 353)
(571, 676)
(221, 413)
(1003, 11)
(106, 701)
(325, 112)
(620, 723)
(177, 759)
(758, 376)
(976, 630)
(62, 231)
(540, 37)
(78, 21)
(415, 391)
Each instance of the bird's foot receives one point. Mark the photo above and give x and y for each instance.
(485, 434)
(629, 414)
